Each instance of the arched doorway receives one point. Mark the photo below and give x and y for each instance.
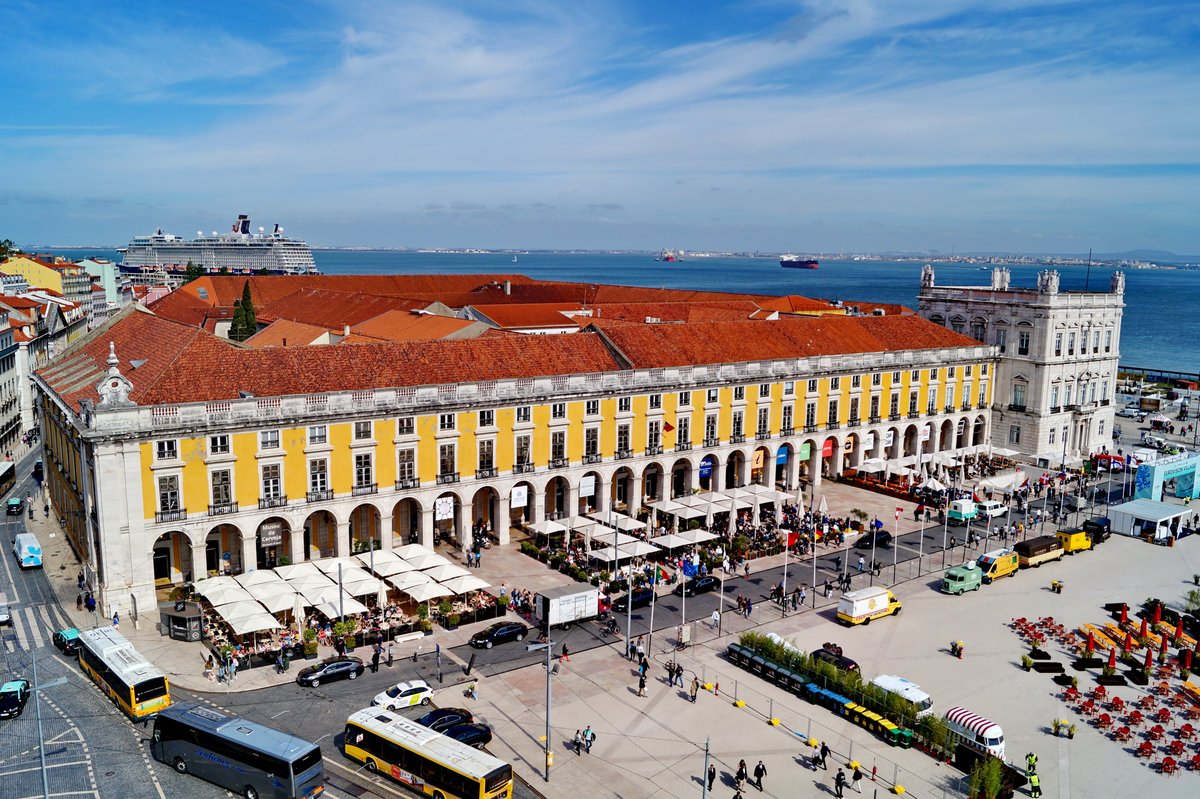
(273, 540)
(520, 504)
(681, 478)
(760, 466)
(320, 535)
(173, 558)
(365, 529)
(652, 483)
(893, 443)
(962, 428)
(735, 469)
(831, 458)
(947, 437)
(557, 492)
(589, 493)
(622, 489)
(980, 435)
(709, 466)
(912, 440)
(484, 508)
(406, 522)
(447, 510)
(223, 550)
(851, 450)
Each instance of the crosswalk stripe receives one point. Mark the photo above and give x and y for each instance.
(35, 630)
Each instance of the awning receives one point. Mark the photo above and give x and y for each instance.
(257, 577)
(465, 584)
(334, 607)
(330, 565)
(621, 522)
(315, 596)
(638, 549)
(259, 622)
(309, 581)
(274, 596)
(685, 512)
(363, 586)
(548, 527)
(666, 506)
(222, 593)
(235, 610)
(395, 567)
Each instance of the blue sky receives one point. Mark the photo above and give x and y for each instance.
(828, 126)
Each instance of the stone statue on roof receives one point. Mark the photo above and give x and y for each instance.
(114, 389)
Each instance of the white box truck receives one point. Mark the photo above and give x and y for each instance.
(859, 607)
(566, 605)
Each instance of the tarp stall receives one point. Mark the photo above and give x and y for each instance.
(1141, 516)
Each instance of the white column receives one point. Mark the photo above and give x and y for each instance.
(427, 527)
(249, 552)
(341, 539)
(199, 561)
(385, 532)
(503, 521)
(296, 545)
(814, 465)
(538, 497)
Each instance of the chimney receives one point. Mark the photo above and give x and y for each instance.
(285, 341)
(345, 331)
(508, 288)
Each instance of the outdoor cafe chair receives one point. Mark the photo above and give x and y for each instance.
(1104, 722)
(1145, 749)
(1123, 733)
(1135, 718)
(1185, 731)
(1195, 763)
(1155, 733)
(1117, 705)
(1169, 766)
(1163, 716)
(1176, 748)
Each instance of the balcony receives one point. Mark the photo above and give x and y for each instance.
(950, 408)
(1104, 403)
(833, 426)
(523, 468)
(930, 411)
(683, 446)
(623, 454)
(895, 417)
(485, 474)
(810, 428)
(447, 478)
(787, 431)
(981, 405)
(854, 422)
(363, 490)
(763, 436)
(592, 457)
(712, 442)
(740, 438)
(322, 496)
(222, 509)
(655, 449)
(170, 516)
(1055, 408)
(1018, 408)
(1070, 407)
(873, 420)
(966, 406)
(559, 463)
(273, 502)
(405, 483)
(914, 415)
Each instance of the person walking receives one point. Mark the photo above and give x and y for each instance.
(716, 620)
(855, 778)
(815, 757)
(1035, 786)
(578, 742)
(565, 657)
(839, 783)
(117, 619)
(825, 756)
(743, 774)
(749, 607)
(760, 771)
(642, 685)
(375, 654)
(712, 776)
(695, 688)
(589, 738)
(862, 564)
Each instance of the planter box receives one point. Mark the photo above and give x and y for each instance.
(1063, 680)
(1038, 654)
(1137, 677)
(1083, 664)
(1048, 668)
(1115, 679)
(1114, 607)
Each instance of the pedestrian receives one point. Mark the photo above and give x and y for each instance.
(815, 757)
(695, 688)
(79, 601)
(578, 742)
(632, 649)
(46, 510)
(565, 657)
(589, 738)
(389, 654)
(116, 619)
(760, 771)
(375, 660)
(837, 563)
(473, 692)
(209, 668)
(743, 774)
(862, 564)
(825, 756)
(839, 782)
(712, 776)
(1031, 762)
(716, 619)
(855, 778)
(641, 649)
(232, 670)
(749, 607)
(642, 684)
(746, 568)
(1035, 786)
(478, 558)
(828, 588)
(279, 663)
(79, 581)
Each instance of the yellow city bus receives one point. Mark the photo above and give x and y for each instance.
(424, 760)
(133, 683)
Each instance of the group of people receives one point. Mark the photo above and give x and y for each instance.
(583, 740)
(740, 777)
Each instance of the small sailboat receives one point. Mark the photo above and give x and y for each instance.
(514, 259)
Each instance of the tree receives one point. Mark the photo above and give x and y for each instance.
(7, 248)
(244, 323)
(193, 271)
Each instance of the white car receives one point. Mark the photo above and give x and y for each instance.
(1132, 412)
(991, 508)
(405, 694)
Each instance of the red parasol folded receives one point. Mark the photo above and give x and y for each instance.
(1157, 613)
(1179, 628)
(1112, 658)
(1149, 660)
(1127, 646)
(1124, 614)
(1145, 628)
(1164, 641)
(1187, 659)
(1091, 642)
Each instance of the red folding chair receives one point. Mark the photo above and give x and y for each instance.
(1175, 748)
(1146, 702)
(1154, 733)
(1117, 705)
(1194, 763)
(1099, 692)
(1163, 716)
(1185, 731)
(1071, 694)
(1104, 722)
(1145, 749)
(1123, 733)
(1088, 707)
(1168, 765)
(1135, 718)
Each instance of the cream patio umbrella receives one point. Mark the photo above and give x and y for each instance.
(257, 577)
(409, 579)
(444, 571)
(427, 591)
(409, 550)
(465, 584)
(297, 570)
(222, 594)
(428, 561)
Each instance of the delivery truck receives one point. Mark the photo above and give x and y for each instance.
(998, 563)
(859, 607)
(1036, 551)
(566, 605)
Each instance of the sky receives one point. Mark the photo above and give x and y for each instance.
(814, 127)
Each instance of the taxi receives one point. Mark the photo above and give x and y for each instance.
(67, 640)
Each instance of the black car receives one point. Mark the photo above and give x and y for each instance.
(476, 735)
(330, 669)
(444, 718)
(13, 696)
(835, 660)
(67, 640)
(499, 633)
(878, 538)
(697, 585)
(641, 599)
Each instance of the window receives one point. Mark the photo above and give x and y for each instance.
(856, 381)
(1096, 348)
(764, 391)
(523, 451)
(1058, 337)
(789, 388)
(222, 487)
(1071, 344)
(1053, 397)
(978, 329)
(983, 368)
(1014, 434)
(835, 384)
(1067, 394)
(591, 441)
(1092, 392)
(895, 378)
(968, 370)
(624, 404)
(1104, 391)
(738, 424)
(810, 414)
(1064, 435)
(1002, 339)
(1022, 342)
(833, 412)
(487, 418)
(951, 373)
(713, 395)
(558, 410)
(272, 480)
(405, 426)
(655, 401)
(684, 399)
(447, 459)
(268, 439)
(406, 464)
(446, 421)
(317, 434)
(592, 408)
(915, 375)
(362, 431)
(218, 445)
(931, 400)
(1053, 435)
(1019, 395)
(654, 434)
(318, 475)
(558, 445)
(1100, 429)
(166, 450)
(854, 409)
(894, 408)
(875, 407)
(877, 379)
(739, 393)
(487, 454)
(168, 493)
(683, 430)
(1108, 340)
(764, 421)
(812, 385)
(787, 417)
(710, 427)
(623, 438)
(912, 402)
(523, 414)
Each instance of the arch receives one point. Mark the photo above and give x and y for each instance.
(761, 471)
(735, 469)
(979, 435)
(448, 506)
(320, 535)
(852, 450)
(653, 482)
(831, 457)
(172, 558)
(708, 469)
(621, 490)
(961, 428)
(365, 523)
(895, 449)
(558, 492)
(929, 437)
(783, 460)
(485, 509)
(589, 502)
(946, 439)
(681, 477)
(406, 522)
(807, 464)
(272, 541)
(223, 549)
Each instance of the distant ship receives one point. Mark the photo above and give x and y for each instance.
(236, 252)
(796, 262)
(669, 256)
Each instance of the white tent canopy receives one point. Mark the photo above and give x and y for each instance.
(872, 465)
(428, 561)
(427, 591)
(297, 570)
(670, 541)
(686, 512)
(264, 591)
(330, 565)
(394, 567)
(381, 556)
(363, 586)
(333, 608)
(696, 536)
(309, 581)
(623, 523)
(548, 527)
(315, 596)
(258, 622)
(465, 584)
(235, 610)
(638, 549)
(409, 579)
(580, 523)
(278, 601)
(933, 484)
(445, 571)
(1005, 481)
(667, 506)
(612, 536)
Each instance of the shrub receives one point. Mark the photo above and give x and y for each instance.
(310, 647)
(426, 626)
(1026, 662)
(309, 634)
(444, 608)
(1193, 600)
(423, 612)
(453, 619)
(503, 600)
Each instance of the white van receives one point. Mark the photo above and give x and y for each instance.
(27, 551)
(906, 689)
(975, 731)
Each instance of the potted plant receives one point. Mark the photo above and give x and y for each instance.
(858, 517)
(283, 560)
(503, 601)
(1074, 682)
(452, 620)
(310, 650)
(426, 626)
(444, 608)
(1057, 725)
(1026, 662)
(1070, 730)
(1108, 671)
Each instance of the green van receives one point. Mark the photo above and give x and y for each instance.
(961, 579)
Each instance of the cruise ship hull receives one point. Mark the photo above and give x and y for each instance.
(799, 263)
(237, 252)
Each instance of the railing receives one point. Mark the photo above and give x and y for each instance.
(1070, 407)
(323, 496)
(484, 474)
(273, 502)
(363, 490)
(981, 405)
(523, 468)
(222, 509)
(914, 415)
(740, 438)
(622, 454)
(854, 422)
(931, 410)
(406, 483)
(951, 408)
(683, 446)
(170, 515)
(594, 457)
(810, 428)
(654, 450)
(833, 426)
(966, 406)
(558, 463)
(712, 442)
(873, 420)
(1013, 407)
(447, 478)
(894, 417)
(1104, 402)
(1055, 408)
(762, 436)
(787, 431)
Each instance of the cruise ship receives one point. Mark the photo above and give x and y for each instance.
(237, 252)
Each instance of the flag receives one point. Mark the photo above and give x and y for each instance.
(689, 570)
(668, 427)
(898, 512)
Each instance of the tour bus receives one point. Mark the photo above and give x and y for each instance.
(975, 731)
(250, 759)
(131, 681)
(27, 551)
(422, 759)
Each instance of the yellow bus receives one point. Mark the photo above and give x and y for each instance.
(133, 683)
(424, 760)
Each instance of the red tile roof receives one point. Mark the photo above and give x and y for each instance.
(331, 309)
(516, 316)
(409, 326)
(286, 333)
(725, 310)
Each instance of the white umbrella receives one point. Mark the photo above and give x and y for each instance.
(427, 591)
(298, 612)
(395, 567)
(545, 527)
(465, 584)
(444, 571)
(381, 556)
(381, 598)
(257, 577)
(297, 570)
(626, 523)
(426, 561)
(330, 565)
(824, 506)
(235, 610)
(409, 550)
(638, 549)
(315, 596)
(256, 623)
(697, 536)
(409, 579)
(222, 594)
(933, 484)
(670, 541)
(336, 606)
(362, 586)
(278, 601)
(310, 582)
